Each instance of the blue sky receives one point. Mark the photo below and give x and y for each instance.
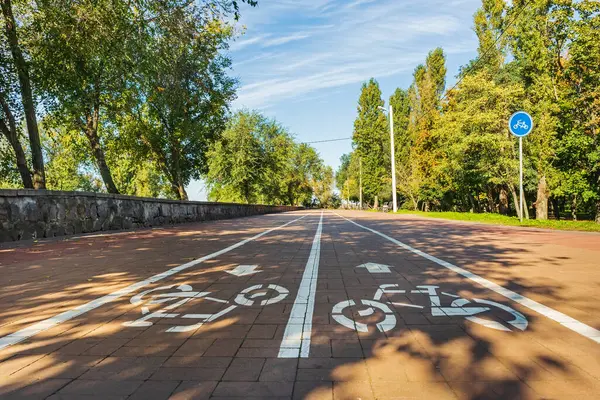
(303, 61)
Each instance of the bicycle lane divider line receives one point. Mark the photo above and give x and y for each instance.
(563, 319)
(51, 322)
(297, 334)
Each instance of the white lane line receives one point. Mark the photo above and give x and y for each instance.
(296, 338)
(46, 324)
(563, 319)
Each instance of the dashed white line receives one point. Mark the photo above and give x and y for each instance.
(296, 338)
(46, 324)
(563, 319)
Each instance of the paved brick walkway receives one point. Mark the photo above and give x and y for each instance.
(82, 318)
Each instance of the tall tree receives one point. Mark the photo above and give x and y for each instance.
(299, 168)
(186, 91)
(538, 43)
(400, 102)
(26, 91)
(427, 90)
(347, 177)
(8, 127)
(403, 142)
(322, 184)
(489, 22)
(579, 149)
(235, 161)
(371, 141)
(9, 106)
(93, 47)
(256, 160)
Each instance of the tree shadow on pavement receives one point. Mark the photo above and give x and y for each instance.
(236, 355)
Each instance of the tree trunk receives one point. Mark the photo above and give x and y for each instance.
(541, 203)
(503, 206)
(472, 202)
(555, 208)
(491, 200)
(376, 205)
(515, 199)
(39, 176)
(91, 131)
(574, 208)
(525, 208)
(182, 193)
(19, 155)
(597, 201)
(415, 202)
(10, 131)
(176, 157)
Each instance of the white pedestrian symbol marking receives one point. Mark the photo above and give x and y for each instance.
(242, 270)
(459, 307)
(375, 268)
(270, 293)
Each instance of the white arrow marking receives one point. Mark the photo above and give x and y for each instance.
(375, 268)
(242, 270)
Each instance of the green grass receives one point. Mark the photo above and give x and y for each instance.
(498, 219)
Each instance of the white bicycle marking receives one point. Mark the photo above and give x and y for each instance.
(383, 289)
(243, 299)
(563, 319)
(520, 322)
(458, 308)
(51, 322)
(388, 323)
(450, 294)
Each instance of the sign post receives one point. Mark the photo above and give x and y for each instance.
(520, 124)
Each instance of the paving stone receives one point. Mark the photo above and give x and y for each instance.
(244, 369)
(260, 352)
(57, 368)
(100, 388)
(124, 368)
(279, 370)
(313, 390)
(346, 348)
(353, 390)
(106, 347)
(154, 390)
(191, 390)
(196, 347)
(262, 332)
(145, 351)
(419, 390)
(36, 390)
(257, 389)
(188, 374)
(198, 362)
(223, 348)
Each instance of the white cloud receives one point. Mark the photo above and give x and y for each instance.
(323, 44)
(285, 39)
(357, 3)
(239, 44)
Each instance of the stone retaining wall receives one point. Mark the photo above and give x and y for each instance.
(35, 214)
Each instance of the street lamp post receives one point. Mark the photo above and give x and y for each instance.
(395, 205)
(360, 181)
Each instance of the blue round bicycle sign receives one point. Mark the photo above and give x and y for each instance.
(520, 124)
